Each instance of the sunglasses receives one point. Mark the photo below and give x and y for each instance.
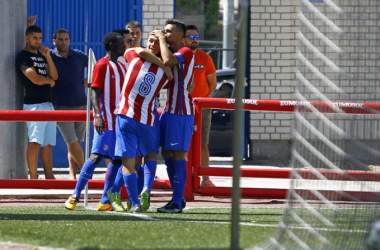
(194, 36)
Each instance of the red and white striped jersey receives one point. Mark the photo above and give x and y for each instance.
(109, 77)
(142, 84)
(179, 100)
(121, 59)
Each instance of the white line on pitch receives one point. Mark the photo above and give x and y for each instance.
(145, 217)
(141, 216)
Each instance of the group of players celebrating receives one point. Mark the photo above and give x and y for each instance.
(124, 99)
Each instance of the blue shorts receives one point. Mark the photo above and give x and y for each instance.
(105, 144)
(43, 133)
(132, 135)
(176, 131)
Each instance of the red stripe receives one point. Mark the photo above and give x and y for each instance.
(130, 82)
(184, 86)
(191, 100)
(169, 103)
(122, 71)
(122, 65)
(112, 97)
(176, 108)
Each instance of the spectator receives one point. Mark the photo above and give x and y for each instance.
(135, 30)
(205, 84)
(38, 73)
(177, 120)
(69, 94)
(105, 97)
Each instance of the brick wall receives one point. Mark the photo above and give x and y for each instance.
(155, 14)
(272, 74)
(273, 63)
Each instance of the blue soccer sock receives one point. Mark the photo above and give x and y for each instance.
(184, 171)
(140, 178)
(169, 162)
(131, 185)
(109, 181)
(179, 182)
(149, 173)
(119, 181)
(85, 175)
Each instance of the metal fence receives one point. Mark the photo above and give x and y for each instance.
(86, 20)
(215, 50)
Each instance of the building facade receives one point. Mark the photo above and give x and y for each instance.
(272, 40)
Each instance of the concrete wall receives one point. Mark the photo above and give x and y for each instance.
(13, 135)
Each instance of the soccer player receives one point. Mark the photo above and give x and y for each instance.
(135, 30)
(127, 42)
(113, 170)
(177, 121)
(107, 82)
(135, 121)
(132, 28)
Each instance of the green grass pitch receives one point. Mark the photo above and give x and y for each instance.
(196, 228)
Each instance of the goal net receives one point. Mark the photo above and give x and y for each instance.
(333, 205)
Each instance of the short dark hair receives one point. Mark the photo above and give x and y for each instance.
(33, 29)
(191, 27)
(152, 32)
(60, 31)
(133, 24)
(108, 38)
(180, 26)
(121, 31)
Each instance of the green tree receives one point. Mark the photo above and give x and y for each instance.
(194, 4)
(211, 13)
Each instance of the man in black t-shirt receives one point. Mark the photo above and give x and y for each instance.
(38, 73)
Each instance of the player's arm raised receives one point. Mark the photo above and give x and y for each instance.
(150, 57)
(167, 56)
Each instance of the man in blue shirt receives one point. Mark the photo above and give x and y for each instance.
(69, 94)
